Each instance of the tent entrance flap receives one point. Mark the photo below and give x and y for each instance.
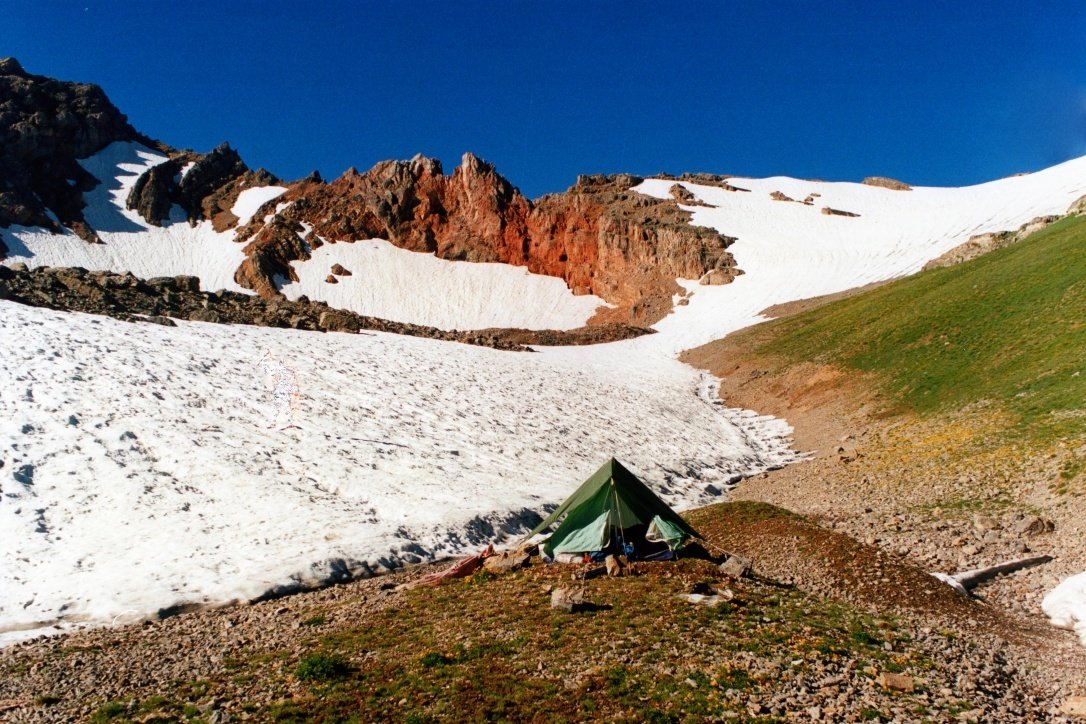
(666, 532)
(591, 537)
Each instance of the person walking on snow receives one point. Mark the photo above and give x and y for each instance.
(286, 393)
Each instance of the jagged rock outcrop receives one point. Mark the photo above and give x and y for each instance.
(205, 186)
(599, 237)
(45, 125)
(827, 211)
(980, 244)
(886, 183)
(163, 299)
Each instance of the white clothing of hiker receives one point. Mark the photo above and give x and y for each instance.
(286, 392)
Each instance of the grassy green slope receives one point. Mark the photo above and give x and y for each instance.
(1006, 328)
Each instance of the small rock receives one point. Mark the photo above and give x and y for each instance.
(340, 271)
(1074, 706)
(736, 566)
(568, 600)
(895, 682)
(1034, 526)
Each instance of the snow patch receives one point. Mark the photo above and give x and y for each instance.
(130, 244)
(250, 200)
(791, 251)
(406, 286)
(1065, 605)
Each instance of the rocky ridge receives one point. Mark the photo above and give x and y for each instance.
(981, 244)
(204, 185)
(163, 299)
(45, 125)
(599, 237)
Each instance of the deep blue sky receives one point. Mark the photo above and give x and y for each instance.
(930, 92)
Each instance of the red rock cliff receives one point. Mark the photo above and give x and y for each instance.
(600, 237)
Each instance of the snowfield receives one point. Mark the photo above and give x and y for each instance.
(791, 251)
(407, 286)
(139, 472)
(130, 244)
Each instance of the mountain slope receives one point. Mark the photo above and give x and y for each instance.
(45, 126)
(130, 442)
(1005, 329)
(944, 413)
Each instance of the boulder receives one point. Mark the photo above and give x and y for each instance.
(1034, 526)
(887, 183)
(736, 566)
(340, 271)
(187, 283)
(161, 283)
(895, 682)
(827, 211)
(681, 193)
(331, 279)
(335, 320)
(1074, 706)
(1078, 207)
(778, 196)
(505, 561)
(205, 315)
(982, 523)
(615, 566)
(718, 277)
(567, 599)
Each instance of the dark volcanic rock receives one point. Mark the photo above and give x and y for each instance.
(45, 125)
(153, 193)
(208, 174)
(207, 190)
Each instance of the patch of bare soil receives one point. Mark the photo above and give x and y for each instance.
(787, 309)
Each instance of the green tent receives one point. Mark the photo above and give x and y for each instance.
(613, 504)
